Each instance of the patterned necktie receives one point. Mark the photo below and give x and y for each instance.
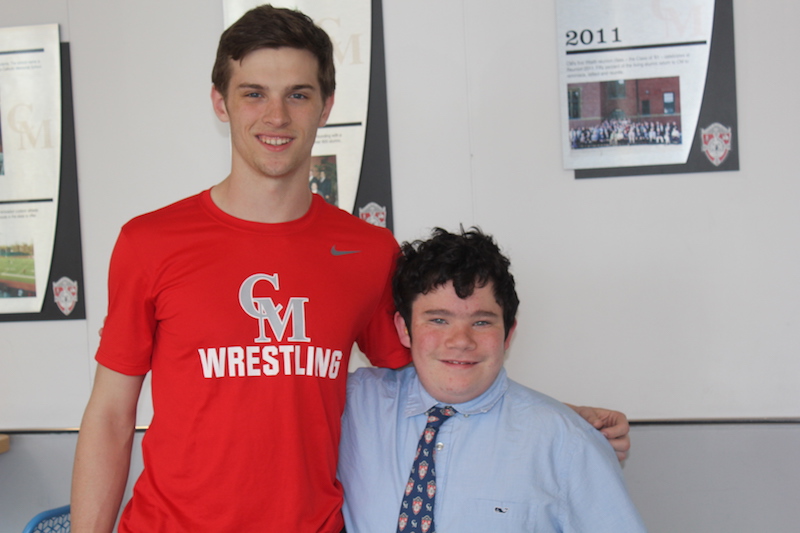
(416, 511)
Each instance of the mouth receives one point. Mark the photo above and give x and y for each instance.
(274, 141)
(460, 363)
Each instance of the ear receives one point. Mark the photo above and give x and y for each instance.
(326, 111)
(218, 101)
(510, 334)
(402, 330)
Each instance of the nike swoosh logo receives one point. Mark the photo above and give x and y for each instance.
(334, 251)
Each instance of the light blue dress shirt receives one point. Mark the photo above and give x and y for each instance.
(510, 460)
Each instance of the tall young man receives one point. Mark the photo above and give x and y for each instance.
(226, 297)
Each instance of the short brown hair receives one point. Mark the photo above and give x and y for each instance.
(270, 27)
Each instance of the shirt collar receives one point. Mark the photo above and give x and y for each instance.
(418, 400)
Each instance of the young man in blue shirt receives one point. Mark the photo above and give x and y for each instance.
(510, 459)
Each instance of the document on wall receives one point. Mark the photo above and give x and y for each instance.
(30, 158)
(634, 80)
(339, 148)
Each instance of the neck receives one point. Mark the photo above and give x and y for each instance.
(265, 201)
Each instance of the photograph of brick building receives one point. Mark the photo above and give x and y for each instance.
(624, 113)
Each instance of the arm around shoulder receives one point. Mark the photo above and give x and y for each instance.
(612, 424)
(103, 454)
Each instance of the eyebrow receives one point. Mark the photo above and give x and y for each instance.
(476, 314)
(259, 87)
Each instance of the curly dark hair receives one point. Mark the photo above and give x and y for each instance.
(469, 259)
(271, 27)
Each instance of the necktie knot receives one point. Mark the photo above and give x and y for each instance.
(438, 415)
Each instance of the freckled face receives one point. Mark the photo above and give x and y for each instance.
(458, 346)
(274, 107)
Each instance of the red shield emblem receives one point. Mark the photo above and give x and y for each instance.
(429, 434)
(423, 469)
(403, 521)
(65, 294)
(426, 523)
(431, 488)
(716, 142)
(416, 505)
(409, 486)
(374, 214)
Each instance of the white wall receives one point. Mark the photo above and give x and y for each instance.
(671, 296)
(146, 136)
(665, 296)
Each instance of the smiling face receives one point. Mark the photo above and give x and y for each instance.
(458, 345)
(274, 106)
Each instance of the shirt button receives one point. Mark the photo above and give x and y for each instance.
(439, 446)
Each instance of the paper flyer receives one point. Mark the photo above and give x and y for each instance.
(30, 158)
(634, 77)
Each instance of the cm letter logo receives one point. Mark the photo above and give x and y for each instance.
(265, 311)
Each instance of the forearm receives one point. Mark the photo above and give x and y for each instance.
(103, 454)
(100, 473)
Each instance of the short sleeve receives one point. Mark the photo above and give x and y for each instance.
(379, 340)
(126, 344)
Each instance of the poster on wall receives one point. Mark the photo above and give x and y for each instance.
(41, 268)
(338, 156)
(647, 87)
(30, 136)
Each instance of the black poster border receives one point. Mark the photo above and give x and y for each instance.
(375, 181)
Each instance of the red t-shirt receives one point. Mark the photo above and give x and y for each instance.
(247, 329)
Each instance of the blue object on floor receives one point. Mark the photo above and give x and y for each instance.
(52, 521)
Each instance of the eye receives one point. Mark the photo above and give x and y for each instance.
(253, 95)
(438, 321)
(298, 96)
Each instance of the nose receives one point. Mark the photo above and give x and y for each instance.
(461, 338)
(275, 113)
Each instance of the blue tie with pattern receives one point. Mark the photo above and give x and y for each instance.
(416, 511)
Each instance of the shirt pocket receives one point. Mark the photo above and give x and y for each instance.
(498, 515)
